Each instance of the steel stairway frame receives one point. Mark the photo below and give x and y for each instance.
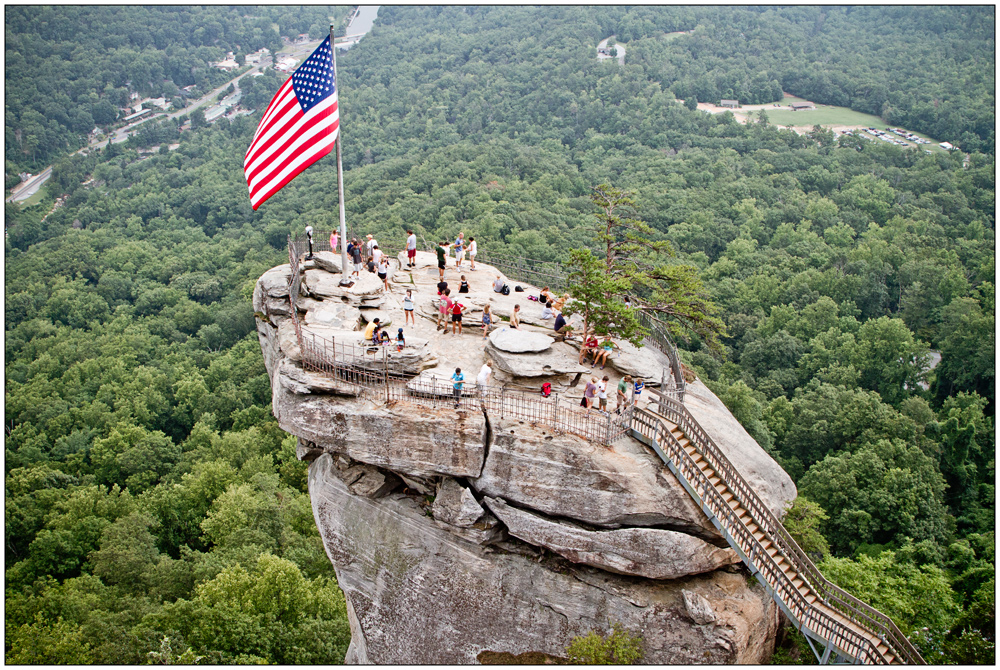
(865, 649)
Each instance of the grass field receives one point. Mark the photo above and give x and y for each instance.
(824, 116)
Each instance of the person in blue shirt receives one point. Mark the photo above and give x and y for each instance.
(458, 380)
(637, 389)
(459, 250)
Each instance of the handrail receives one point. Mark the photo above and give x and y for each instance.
(833, 597)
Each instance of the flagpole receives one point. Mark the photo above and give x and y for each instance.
(344, 274)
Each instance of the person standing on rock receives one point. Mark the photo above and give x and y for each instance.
(444, 307)
(637, 387)
(487, 320)
(456, 316)
(483, 378)
(383, 272)
(442, 254)
(623, 387)
(458, 380)
(356, 259)
(473, 250)
(589, 393)
(377, 254)
(602, 394)
(370, 244)
(408, 308)
(334, 236)
(459, 250)
(411, 249)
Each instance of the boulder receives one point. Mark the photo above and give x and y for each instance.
(325, 260)
(568, 476)
(416, 441)
(417, 593)
(455, 504)
(519, 341)
(384, 317)
(331, 313)
(287, 340)
(762, 473)
(643, 552)
(367, 286)
(270, 296)
(559, 359)
(646, 362)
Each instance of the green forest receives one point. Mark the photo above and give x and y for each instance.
(154, 508)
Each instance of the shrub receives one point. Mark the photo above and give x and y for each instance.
(618, 648)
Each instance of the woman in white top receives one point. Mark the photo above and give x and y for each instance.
(377, 255)
(383, 271)
(472, 253)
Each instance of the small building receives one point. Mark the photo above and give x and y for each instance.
(302, 38)
(137, 115)
(947, 146)
(252, 59)
(732, 104)
(227, 65)
(796, 106)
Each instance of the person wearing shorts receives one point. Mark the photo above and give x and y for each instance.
(356, 259)
(458, 380)
(411, 249)
(602, 394)
(456, 317)
(472, 253)
(444, 307)
(623, 387)
(442, 251)
(408, 308)
(459, 250)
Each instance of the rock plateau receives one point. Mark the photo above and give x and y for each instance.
(458, 531)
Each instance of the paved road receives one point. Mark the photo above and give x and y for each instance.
(30, 187)
(121, 134)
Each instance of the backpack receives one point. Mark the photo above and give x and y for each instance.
(533, 298)
(546, 390)
(518, 289)
(505, 290)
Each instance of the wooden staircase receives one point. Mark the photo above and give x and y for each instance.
(846, 629)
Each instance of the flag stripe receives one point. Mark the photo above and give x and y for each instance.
(274, 145)
(268, 126)
(261, 197)
(300, 125)
(283, 93)
(293, 157)
(278, 147)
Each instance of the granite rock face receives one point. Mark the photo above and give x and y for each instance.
(419, 594)
(457, 531)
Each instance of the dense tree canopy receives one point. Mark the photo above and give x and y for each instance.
(152, 501)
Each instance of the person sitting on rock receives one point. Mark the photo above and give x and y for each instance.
(589, 347)
(370, 329)
(545, 297)
(400, 340)
(563, 330)
(498, 284)
(383, 338)
(464, 286)
(515, 318)
(547, 312)
(371, 264)
(601, 354)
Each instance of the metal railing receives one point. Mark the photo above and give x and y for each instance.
(829, 614)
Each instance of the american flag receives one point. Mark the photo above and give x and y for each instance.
(299, 127)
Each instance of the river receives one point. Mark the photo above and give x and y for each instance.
(361, 23)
